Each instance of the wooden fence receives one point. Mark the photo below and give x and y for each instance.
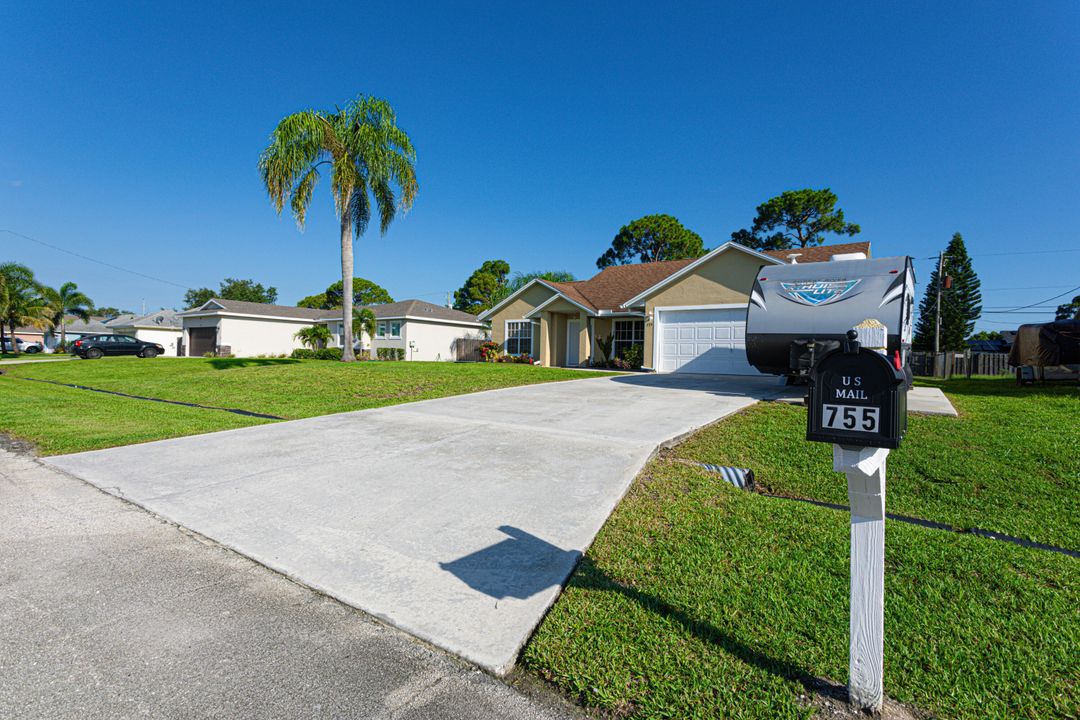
(467, 349)
(964, 364)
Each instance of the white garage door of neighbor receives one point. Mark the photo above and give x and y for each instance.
(710, 340)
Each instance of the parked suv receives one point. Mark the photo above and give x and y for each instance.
(97, 346)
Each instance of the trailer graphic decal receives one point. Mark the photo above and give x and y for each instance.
(818, 292)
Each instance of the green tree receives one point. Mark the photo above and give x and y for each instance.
(1069, 310)
(483, 288)
(520, 280)
(363, 322)
(314, 336)
(315, 302)
(961, 304)
(365, 292)
(232, 289)
(367, 156)
(110, 312)
(67, 300)
(21, 301)
(650, 239)
(986, 335)
(795, 219)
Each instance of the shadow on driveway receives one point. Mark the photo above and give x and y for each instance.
(751, 386)
(518, 567)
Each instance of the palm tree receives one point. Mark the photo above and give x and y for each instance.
(21, 302)
(68, 300)
(363, 323)
(314, 337)
(367, 156)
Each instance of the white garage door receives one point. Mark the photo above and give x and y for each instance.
(704, 341)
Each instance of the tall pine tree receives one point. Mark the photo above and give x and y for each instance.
(961, 304)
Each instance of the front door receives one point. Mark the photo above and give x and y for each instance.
(573, 338)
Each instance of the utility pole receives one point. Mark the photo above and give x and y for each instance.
(937, 316)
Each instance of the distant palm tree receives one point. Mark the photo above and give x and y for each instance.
(68, 300)
(21, 301)
(314, 337)
(364, 323)
(368, 156)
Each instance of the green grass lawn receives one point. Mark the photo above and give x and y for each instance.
(1010, 463)
(59, 419)
(34, 356)
(700, 600)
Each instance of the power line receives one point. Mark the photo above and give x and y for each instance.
(1024, 307)
(1030, 287)
(1017, 252)
(94, 260)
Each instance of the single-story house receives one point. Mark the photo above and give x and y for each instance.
(687, 315)
(162, 327)
(425, 331)
(75, 329)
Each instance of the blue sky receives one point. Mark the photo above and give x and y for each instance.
(130, 134)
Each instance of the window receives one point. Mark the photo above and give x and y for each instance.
(627, 333)
(388, 328)
(518, 337)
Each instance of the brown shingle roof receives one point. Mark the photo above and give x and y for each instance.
(821, 253)
(612, 286)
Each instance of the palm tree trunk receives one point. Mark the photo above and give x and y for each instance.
(14, 343)
(347, 354)
(63, 333)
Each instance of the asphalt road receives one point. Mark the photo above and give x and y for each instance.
(109, 612)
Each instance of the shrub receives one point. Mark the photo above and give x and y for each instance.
(630, 358)
(390, 353)
(517, 359)
(320, 354)
(490, 351)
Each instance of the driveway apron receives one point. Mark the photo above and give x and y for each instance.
(456, 520)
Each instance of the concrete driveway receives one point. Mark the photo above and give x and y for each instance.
(455, 519)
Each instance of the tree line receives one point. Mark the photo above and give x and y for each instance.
(796, 218)
(26, 302)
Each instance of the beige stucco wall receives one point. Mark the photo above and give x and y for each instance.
(602, 327)
(523, 304)
(726, 279)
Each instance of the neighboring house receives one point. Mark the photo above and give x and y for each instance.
(425, 331)
(76, 329)
(163, 327)
(244, 329)
(687, 315)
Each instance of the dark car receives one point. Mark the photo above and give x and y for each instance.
(96, 346)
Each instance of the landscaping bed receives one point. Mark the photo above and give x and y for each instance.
(62, 419)
(701, 600)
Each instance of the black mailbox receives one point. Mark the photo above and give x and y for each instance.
(857, 397)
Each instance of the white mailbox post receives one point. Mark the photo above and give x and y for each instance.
(858, 402)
